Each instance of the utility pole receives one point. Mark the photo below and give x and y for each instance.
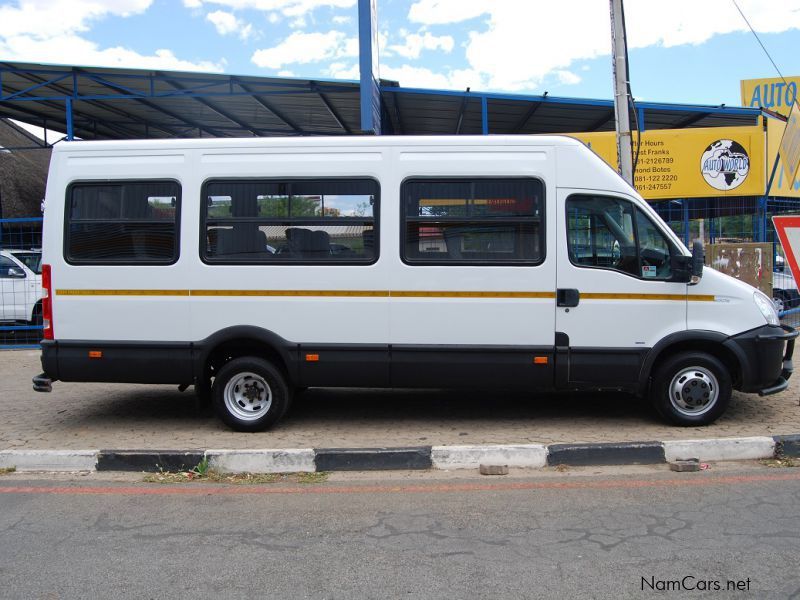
(621, 104)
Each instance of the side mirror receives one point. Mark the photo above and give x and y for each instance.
(698, 260)
(681, 266)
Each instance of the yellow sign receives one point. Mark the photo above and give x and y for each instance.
(790, 145)
(781, 185)
(774, 94)
(692, 163)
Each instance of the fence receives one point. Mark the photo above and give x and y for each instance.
(20, 283)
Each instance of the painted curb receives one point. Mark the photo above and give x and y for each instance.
(625, 453)
(533, 456)
(49, 460)
(262, 461)
(787, 445)
(372, 459)
(749, 448)
(150, 461)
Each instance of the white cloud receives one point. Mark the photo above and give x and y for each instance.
(67, 49)
(567, 77)
(192, 3)
(341, 19)
(227, 23)
(524, 41)
(302, 48)
(421, 77)
(48, 31)
(285, 73)
(288, 8)
(416, 43)
(340, 70)
(297, 23)
(42, 19)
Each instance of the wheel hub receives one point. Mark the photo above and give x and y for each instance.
(248, 396)
(694, 391)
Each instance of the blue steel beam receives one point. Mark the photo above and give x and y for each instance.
(152, 106)
(524, 120)
(577, 101)
(331, 109)
(70, 94)
(462, 109)
(220, 111)
(266, 105)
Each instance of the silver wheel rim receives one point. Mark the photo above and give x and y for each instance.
(778, 302)
(694, 391)
(248, 396)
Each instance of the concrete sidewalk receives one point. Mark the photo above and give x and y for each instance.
(80, 416)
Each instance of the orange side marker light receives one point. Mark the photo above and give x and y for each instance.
(312, 357)
(95, 354)
(540, 360)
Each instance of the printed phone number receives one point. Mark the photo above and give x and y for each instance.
(665, 160)
(651, 187)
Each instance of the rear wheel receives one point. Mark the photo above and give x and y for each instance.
(250, 394)
(36, 316)
(691, 388)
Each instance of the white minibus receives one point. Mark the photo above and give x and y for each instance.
(251, 268)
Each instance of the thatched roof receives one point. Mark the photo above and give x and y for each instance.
(23, 173)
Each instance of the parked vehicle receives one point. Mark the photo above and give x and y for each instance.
(21, 286)
(447, 262)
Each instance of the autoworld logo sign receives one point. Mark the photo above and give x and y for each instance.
(725, 165)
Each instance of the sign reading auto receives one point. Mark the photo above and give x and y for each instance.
(692, 163)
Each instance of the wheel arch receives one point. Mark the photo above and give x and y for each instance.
(711, 342)
(244, 340)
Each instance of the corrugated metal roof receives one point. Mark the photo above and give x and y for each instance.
(128, 103)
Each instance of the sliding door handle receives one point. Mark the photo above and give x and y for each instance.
(567, 297)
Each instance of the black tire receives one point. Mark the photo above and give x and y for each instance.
(691, 389)
(37, 318)
(250, 394)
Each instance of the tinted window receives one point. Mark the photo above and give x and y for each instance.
(480, 222)
(612, 233)
(280, 222)
(123, 222)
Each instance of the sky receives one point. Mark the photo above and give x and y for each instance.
(682, 51)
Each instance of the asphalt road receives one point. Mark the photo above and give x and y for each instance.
(546, 535)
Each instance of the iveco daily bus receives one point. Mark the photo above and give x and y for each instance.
(254, 267)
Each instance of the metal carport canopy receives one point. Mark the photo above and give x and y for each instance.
(105, 103)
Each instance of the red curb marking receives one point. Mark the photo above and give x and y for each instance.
(233, 490)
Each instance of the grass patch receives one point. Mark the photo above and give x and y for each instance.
(317, 477)
(7, 470)
(781, 462)
(207, 475)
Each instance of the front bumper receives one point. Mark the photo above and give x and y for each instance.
(765, 357)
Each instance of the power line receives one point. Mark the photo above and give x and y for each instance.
(759, 42)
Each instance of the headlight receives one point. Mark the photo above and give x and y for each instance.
(766, 307)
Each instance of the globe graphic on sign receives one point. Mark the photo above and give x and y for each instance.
(725, 165)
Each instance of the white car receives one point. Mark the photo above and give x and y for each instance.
(21, 286)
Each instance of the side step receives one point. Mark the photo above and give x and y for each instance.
(42, 383)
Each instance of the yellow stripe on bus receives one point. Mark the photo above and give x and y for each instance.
(610, 296)
(123, 292)
(378, 294)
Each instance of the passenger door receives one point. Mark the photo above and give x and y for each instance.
(615, 298)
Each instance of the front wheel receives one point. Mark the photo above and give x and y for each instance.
(250, 394)
(691, 389)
